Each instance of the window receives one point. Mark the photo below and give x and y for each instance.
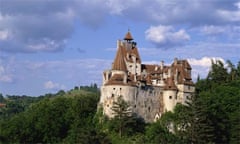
(113, 88)
(170, 97)
(149, 108)
(120, 88)
(112, 95)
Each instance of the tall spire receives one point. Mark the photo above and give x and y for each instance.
(119, 63)
(128, 36)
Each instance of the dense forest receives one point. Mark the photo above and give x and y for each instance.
(213, 116)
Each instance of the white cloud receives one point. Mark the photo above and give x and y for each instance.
(33, 26)
(4, 34)
(6, 78)
(237, 4)
(53, 85)
(213, 30)
(230, 15)
(166, 36)
(118, 6)
(202, 66)
(5, 73)
(29, 23)
(204, 61)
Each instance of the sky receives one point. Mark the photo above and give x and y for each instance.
(49, 45)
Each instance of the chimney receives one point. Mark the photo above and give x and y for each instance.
(175, 61)
(169, 72)
(118, 43)
(162, 65)
(125, 78)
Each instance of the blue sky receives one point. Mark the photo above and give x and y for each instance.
(48, 45)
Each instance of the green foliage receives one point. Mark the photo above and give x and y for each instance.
(16, 104)
(124, 121)
(218, 73)
(212, 116)
(156, 133)
(2, 99)
(122, 116)
(63, 118)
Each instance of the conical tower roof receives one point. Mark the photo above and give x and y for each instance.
(119, 63)
(128, 36)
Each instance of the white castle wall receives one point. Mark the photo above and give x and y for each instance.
(110, 93)
(143, 102)
(169, 100)
(184, 93)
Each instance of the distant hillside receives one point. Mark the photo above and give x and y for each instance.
(13, 104)
(48, 119)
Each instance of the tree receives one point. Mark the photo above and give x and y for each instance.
(2, 99)
(122, 115)
(63, 118)
(233, 71)
(156, 133)
(218, 73)
(200, 126)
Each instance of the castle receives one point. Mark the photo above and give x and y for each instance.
(150, 90)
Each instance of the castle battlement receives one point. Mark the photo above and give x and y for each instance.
(150, 90)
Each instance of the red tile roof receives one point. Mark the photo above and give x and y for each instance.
(2, 105)
(128, 36)
(128, 52)
(170, 85)
(119, 62)
(182, 68)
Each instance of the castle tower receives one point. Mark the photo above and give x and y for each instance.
(169, 95)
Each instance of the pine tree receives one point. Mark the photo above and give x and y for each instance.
(218, 73)
(200, 129)
(122, 115)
